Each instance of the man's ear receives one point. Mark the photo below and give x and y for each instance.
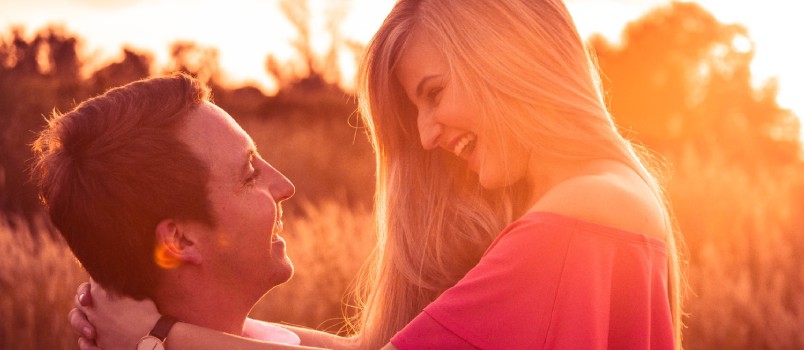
(174, 246)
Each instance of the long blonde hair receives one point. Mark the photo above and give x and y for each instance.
(536, 83)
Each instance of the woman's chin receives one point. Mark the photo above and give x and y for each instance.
(494, 179)
(490, 182)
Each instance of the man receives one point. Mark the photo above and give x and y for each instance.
(161, 194)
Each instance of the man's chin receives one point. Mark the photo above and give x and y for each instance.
(282, 272)
(290, 269)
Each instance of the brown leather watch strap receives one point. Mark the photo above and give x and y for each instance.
(162, 327)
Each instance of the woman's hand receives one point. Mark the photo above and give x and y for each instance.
(78, 319)
(110, 322)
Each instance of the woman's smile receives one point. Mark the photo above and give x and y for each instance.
(465, 145)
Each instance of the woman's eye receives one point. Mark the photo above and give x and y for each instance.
(434, 94)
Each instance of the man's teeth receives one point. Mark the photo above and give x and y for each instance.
(460, 147)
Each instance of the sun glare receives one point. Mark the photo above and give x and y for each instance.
(770, 26)
(741, 44)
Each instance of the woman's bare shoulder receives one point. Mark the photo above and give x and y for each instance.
(611, 195)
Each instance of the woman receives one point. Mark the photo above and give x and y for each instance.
(525, 220)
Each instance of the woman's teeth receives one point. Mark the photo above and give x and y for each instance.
(465, 145)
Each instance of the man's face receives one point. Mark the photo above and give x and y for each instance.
(244, 249)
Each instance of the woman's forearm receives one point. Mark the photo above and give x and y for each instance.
(321, 339)
(185, 336)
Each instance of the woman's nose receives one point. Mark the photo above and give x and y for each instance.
(429, 130)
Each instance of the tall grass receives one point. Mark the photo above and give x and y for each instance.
(38, 279)
(745, 231)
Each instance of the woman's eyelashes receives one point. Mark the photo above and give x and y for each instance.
(434, 95)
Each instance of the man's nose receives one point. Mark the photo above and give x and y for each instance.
(429, 130)
(281, 188)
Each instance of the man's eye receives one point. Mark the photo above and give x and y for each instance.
(253, 177)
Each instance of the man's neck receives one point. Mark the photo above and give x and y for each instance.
(204, 305)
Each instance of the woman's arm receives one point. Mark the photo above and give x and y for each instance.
(316, 338)
(119, 323)
(185, 336)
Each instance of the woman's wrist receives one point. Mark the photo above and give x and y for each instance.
(155, 339)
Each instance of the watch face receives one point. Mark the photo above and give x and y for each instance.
(150, 343)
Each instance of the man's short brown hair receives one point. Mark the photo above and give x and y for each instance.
(114, 167)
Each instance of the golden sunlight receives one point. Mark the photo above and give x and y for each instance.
(770, 25)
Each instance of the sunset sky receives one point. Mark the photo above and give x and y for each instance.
(246, 31)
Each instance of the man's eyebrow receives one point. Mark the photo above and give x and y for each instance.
(420, 87)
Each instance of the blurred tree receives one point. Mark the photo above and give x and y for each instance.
(681, 76)
(62, 55)
(198, 61)
(309, 87)
(37, 75)
(312, 71)
(133, 66)
(298, 13)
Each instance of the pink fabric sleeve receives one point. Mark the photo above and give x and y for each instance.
(553, 282)
(430, 334)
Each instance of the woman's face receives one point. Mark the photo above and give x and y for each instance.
(448, 119)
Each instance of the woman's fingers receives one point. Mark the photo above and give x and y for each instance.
(85, 344)
(83, 296)
(78, 319)
(80, 325)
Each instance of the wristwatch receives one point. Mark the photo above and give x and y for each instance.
(155, 340)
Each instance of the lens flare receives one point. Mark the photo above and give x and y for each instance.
(165, 259)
